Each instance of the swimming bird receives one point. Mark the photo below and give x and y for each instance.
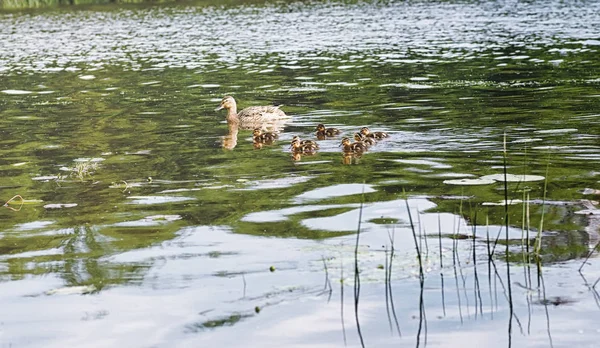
(330, 132)
(305, 142)
(353, 147)
(359, 137)
(376, 135)
(307, 149)
(252, 114)
(267, 137)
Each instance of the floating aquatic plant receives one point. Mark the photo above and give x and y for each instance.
(493, 178)
(84, 169)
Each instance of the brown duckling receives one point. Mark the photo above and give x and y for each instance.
(359, 137)
(330, 132)
(349, 146)
(376, 135)
(305, 142)
(266, 137)
(308, 148)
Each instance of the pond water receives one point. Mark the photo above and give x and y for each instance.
(140, 218)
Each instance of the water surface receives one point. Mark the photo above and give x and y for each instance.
(137, 222)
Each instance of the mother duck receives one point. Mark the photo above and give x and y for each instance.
(250, 116)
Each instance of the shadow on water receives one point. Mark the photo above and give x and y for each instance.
(132, 207)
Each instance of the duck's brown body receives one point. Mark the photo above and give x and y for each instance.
(304, 146)
(376, 135)
(349, 146)
(305, 142)
(359, 137)
(266, 137)
(250, 116)
(323, 132)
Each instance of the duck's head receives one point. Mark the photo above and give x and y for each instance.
(320, 127)
(256, 132)
(365, 131)
(345, 142)
(295, 142)
(227, 103)
(359, 136)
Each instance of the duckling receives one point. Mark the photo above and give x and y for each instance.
(250, 114)
(359, 137)
(330, 132)
(307, 149)
(376, 135)
(260, 137)
(305, 142)
(353, 147)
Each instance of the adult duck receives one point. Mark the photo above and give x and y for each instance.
(250, 116)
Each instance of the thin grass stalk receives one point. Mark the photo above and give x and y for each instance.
(544, 301)
(588, 256)
(487, 239)
(422, 233)
(387, 296)
(454, 246)
(441, 264)
(342, 298)
(510, 300)
(244, 280)
(594, 292)
(392, 250)
(525, 248)
(477, 289)
(538, 244)
(356, 274)
(528, 231)
(422, 316)
(462, 276)
(525, 253)
(523, 223)
(327, 280)
(596, 283)
(505, 291)
(421, 276)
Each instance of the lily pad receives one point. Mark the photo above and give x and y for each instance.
(45, 178)
(60, 205)
(477, 181)
(158, 199)
(71, 290)
(503, 202)
(16, 91)
(513, 177)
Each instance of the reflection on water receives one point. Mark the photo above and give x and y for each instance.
(109, 134)
(230, 140)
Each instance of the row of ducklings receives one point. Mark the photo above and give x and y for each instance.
(363, 140)
(260, 137)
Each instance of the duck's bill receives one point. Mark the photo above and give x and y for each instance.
(219, 108)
